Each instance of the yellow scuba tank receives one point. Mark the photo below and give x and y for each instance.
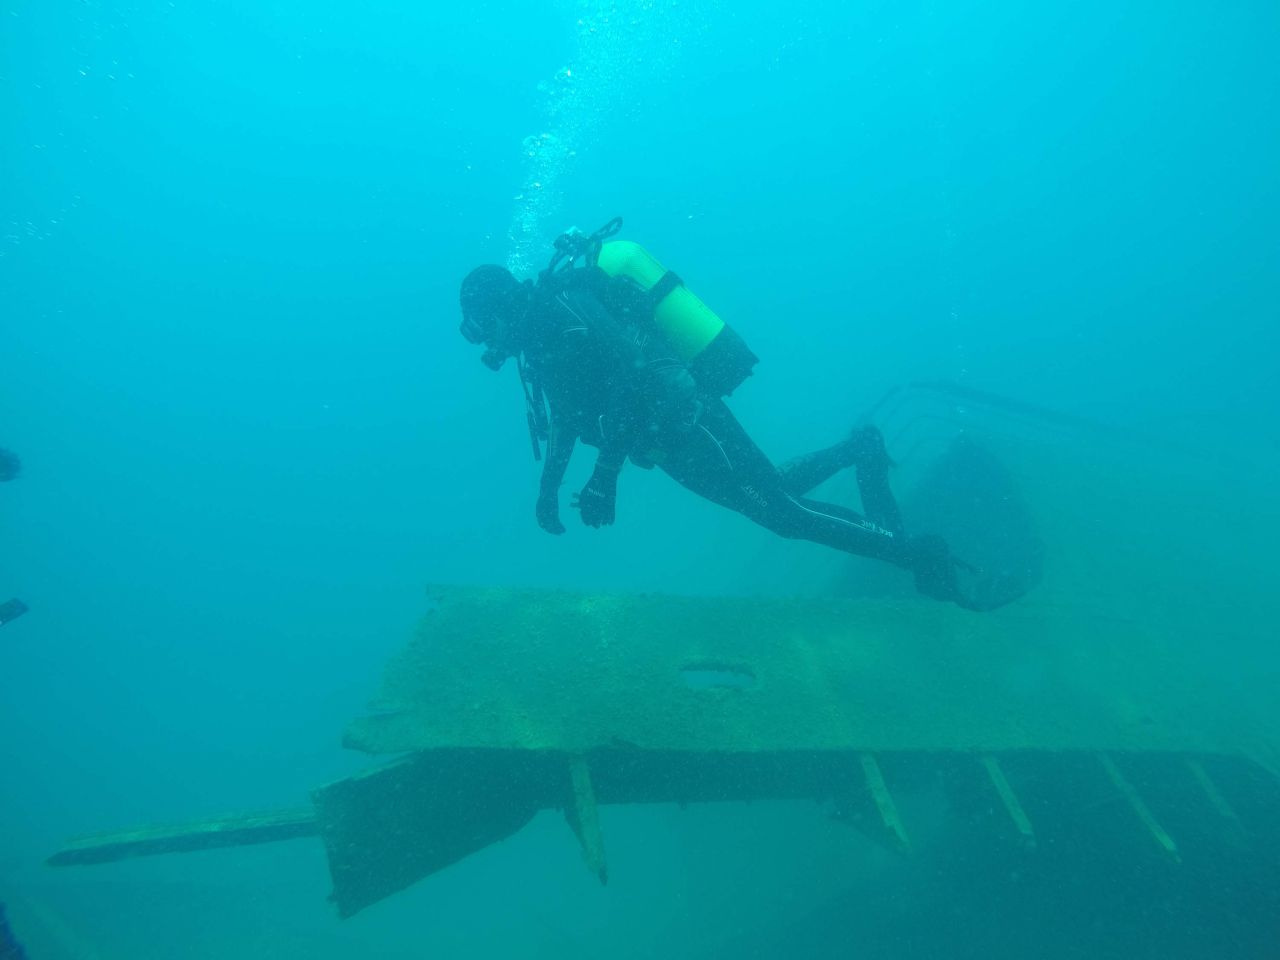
(717, 357)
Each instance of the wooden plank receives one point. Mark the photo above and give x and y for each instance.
(234, 831)
(584, 817)
(1216, 798)
(1010, 800)
(879, 791)
(822, 671)
(1139, 807)
(387, 828)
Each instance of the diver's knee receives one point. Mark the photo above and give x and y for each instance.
(781, 523)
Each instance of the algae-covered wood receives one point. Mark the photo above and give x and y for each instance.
(543, 670)
(231, 831)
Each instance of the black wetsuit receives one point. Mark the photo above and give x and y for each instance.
(718, 460)
(612, 381)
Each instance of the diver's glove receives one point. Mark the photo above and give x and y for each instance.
(596, 500)
(548, 511)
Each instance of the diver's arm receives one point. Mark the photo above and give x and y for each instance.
(596, 501)
(600, 350)
(560, 444)
(624, 405)
(618, 441)
(619, 432)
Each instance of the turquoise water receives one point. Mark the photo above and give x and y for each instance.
(231, 235)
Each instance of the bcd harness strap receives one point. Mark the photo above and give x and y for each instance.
(663, 288)
(535, 409)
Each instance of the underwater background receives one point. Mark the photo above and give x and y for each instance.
(231, 236)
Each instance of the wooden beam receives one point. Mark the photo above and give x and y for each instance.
(584, 817)
(1139, 807)
(1216, 798)
(1010, 800)
(237, 831)
(879, 791)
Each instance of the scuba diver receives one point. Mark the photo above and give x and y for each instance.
(10, 948)
(629, 361)
(10, 467)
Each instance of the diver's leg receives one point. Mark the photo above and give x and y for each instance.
(700, 462)
(838, 527)
(719, 461)
(877, 499)
(801, 474)
(865, 450)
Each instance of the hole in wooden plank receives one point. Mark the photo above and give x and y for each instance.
(713, 675)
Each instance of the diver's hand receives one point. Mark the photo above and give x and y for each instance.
(596, 500)
(549, 512)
